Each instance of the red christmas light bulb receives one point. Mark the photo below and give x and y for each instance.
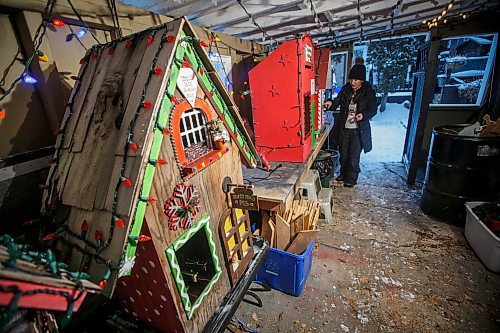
(143, 238)
(58, 23)
(127, 182)
(103, 284)
(157, 70)
(147, 104)
(166, 132)
(203, 43)
(49, 237)
(97, 235)
(74, 77)
(27, 223)
(128, 43)
(170, 38)
(242, 96)
(2, 114)
(133, 146)
(85, 226)
(149, 40)
(111, 50)
(186, 64)
(152, 200)
(174, 100)
(161, 162)
(94, 55)
(211, 94)
(83, 61)
(202, 72)
(120, 223)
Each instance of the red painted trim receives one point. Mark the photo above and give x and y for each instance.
(40, 301)
(175, 122)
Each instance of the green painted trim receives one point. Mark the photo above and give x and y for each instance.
(176, 270)
(161, 119)
(312, 122)
(194, 58)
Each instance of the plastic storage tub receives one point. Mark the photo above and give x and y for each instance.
(482, 240)
(285, 271)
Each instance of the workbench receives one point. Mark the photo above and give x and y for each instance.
(276, 189)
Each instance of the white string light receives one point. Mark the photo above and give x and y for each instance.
(320, 24)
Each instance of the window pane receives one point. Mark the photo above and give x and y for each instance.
(464, 65)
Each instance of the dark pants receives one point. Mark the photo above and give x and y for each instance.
(350, 151)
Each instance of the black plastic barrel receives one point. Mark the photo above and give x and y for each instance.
(325, 163)
(459, 169)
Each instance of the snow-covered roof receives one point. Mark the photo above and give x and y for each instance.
(469, 73)
(481, 41)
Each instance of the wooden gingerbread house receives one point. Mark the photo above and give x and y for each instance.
(149, 135)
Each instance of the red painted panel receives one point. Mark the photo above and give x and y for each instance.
(145, 293)
(322, 63)
(278, 85)
(40, 301)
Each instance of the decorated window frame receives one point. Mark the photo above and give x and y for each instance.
(237, 243)
(198, 138)
(201, 228)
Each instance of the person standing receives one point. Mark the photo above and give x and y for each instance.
(351, 128)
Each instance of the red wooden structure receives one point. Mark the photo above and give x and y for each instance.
(284, 101)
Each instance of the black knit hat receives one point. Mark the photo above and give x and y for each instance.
(358, 72)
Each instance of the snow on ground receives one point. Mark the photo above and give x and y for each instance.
(388, 134)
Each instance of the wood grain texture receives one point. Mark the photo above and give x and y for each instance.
(282, 233)
(302, 241)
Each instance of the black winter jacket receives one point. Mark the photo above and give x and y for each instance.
(367, 105)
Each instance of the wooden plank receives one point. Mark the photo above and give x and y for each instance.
(266, 230)
(87, 113)
(282, 233)
(302, 241)
(156, 89)
(78, 101)
(272, 226)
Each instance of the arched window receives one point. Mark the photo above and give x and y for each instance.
(193, 136)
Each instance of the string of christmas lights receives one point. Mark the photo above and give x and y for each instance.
(53, 268)
(101, 244)
(83, 31)
(360, 19)
(321, 24)
(265, 35)
(434, 22)
(26, 76)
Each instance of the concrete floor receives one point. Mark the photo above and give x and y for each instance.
(383, 266)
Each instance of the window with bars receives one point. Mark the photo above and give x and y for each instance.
(194, 135)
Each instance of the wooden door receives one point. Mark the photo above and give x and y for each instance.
(423, 90)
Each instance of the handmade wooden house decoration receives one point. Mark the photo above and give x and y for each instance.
(149, 135)
(284, 101)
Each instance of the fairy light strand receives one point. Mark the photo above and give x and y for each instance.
(37, 44)
(265, 35)
(82, 21)
(321, 24)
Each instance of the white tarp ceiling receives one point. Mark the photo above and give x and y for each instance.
(327, 21)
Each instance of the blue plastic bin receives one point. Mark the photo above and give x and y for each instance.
(285, 271)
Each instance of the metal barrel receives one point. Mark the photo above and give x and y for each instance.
(459, 169)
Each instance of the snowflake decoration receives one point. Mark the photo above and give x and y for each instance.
(182, 207)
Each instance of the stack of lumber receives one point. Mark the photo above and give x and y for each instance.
(294, 231)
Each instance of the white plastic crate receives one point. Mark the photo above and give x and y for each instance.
(482, 240)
